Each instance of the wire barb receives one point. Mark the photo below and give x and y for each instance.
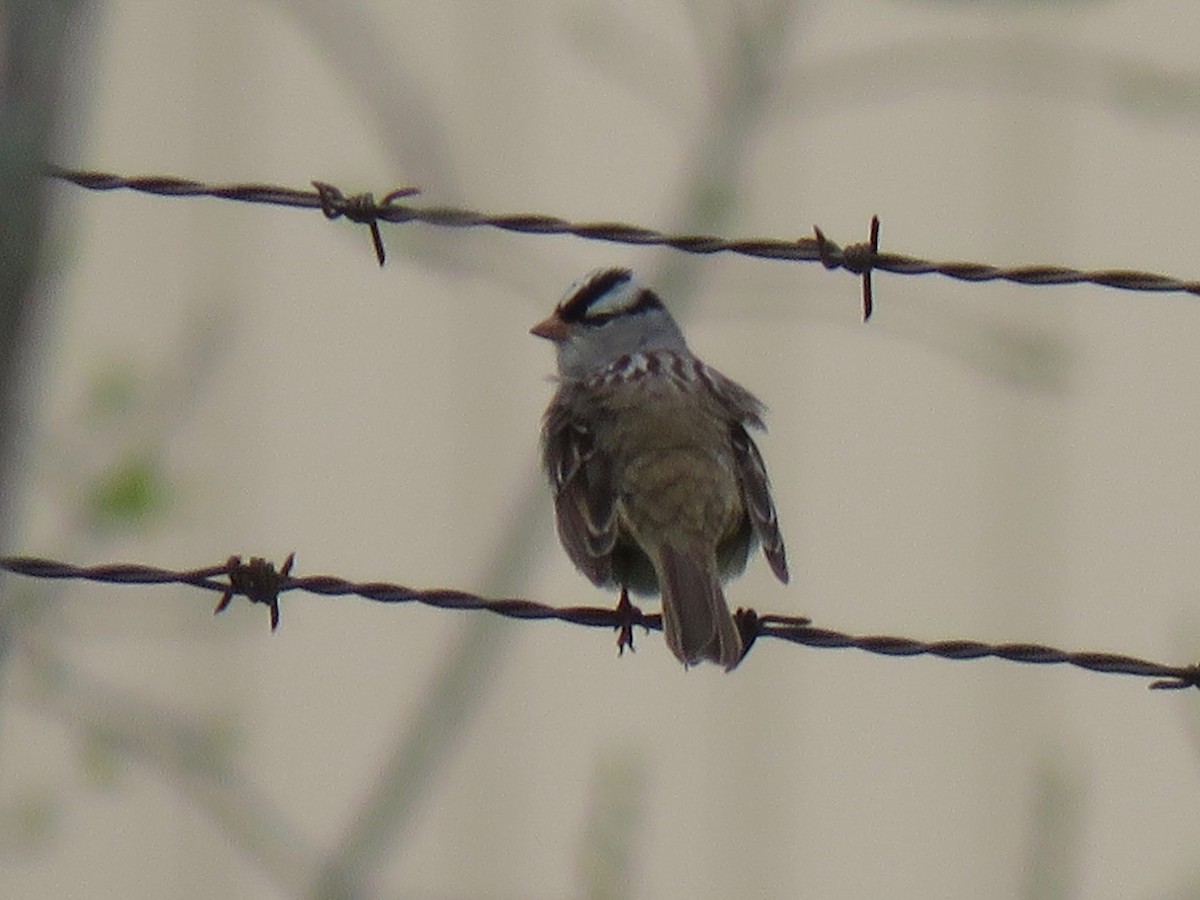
(1186, 677)
(257, 581)
(360, 208)
(260, 582)
(856, 258)
(860, 259)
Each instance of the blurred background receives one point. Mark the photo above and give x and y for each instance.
(189, 379)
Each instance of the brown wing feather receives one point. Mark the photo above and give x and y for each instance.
(581, 478)
(746, 410)
(756, 495)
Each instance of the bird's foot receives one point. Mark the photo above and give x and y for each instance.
(628, 616)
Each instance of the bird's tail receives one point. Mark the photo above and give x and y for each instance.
(697, 623)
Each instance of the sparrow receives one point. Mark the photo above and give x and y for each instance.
(658, 486)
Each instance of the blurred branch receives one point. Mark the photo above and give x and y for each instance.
(193, 756)
(608, 856)
(978, 63)
(1055, 834)
(33, 36)
(463, 678)
(743, 48)
(33, 51)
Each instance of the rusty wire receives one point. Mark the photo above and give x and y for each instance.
(259, 581)
(860, 258)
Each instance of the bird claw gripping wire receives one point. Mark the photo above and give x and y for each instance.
(856, 258)
(360, 208)
(627, 616)
(257, 581)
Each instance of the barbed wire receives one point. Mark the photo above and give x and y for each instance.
(860, 259)
(261, 582)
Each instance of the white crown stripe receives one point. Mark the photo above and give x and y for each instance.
(621, 297)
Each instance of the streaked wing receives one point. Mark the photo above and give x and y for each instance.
(741, 405)
(756, 495)
(745, 409)
(584, 504)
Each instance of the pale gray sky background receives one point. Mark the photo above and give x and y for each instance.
(980, 461)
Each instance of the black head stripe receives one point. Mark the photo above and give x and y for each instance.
(585, 306)
(574, 308)
(646, 299)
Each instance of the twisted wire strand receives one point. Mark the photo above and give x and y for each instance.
(859, 259)
(260, 582)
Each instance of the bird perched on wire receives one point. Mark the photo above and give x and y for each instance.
(658, 487)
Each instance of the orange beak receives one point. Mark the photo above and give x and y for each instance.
(551, 328)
